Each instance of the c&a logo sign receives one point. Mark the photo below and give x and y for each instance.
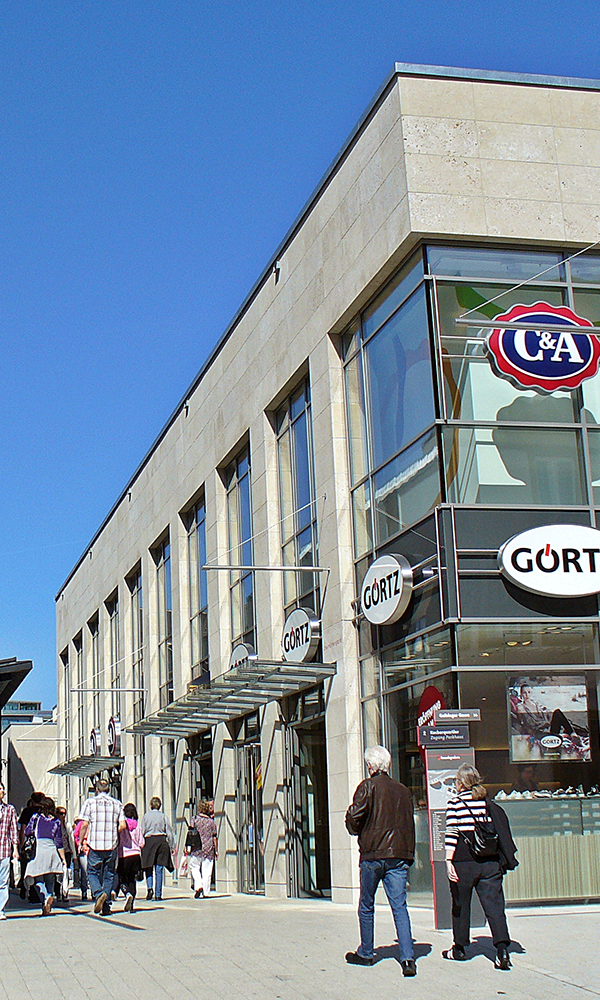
(542, 359)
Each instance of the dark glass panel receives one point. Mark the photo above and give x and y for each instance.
(392, 295)
(407, 488)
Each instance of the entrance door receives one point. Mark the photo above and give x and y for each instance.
(309, 871)
(251, 870)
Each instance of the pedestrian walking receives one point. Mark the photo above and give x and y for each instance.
(82, 859)
(159, 842)
(26, 814)
(202, 855)
(62, 890)
(103, 818)
(479, 851)
(48, 860)
(131, 843)
(9, 846)
(381, 815)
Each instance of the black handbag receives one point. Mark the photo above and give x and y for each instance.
(193, 841)
(30, 844)
(482, 841)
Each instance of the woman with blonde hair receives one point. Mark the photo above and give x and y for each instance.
(479, 850)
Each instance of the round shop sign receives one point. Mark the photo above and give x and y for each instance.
(386, 590)
(113, 737)
(95, 742)
(541, 359)
(556, 560)
(301, 634)
(242, 655)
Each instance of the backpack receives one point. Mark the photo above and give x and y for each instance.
(30, 843)
(482, 841)
(193, 841)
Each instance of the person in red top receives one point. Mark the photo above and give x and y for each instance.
(9, 846)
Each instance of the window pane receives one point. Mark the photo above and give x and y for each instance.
(472, 389)
(507, 264)
(361, 505)
(356, 419)
(285, 487)
(407, 488)
(586, 269)
(400, 379)
(289, 579)
(526, 644)
(302, 469)
(372, 731)
(587, 304)
(594, 445)
(501, 465)
(392, 295)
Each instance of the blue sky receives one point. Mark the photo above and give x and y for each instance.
(153, 154)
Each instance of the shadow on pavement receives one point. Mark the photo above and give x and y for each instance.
(392, 951)
(484, 946)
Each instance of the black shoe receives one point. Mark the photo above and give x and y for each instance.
(106, 910)
(353, 958)
(150, 894)
(198, 893)
(455, 954)
(503, 959)
(409, 967)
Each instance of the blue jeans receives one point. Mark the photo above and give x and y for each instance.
(159, 869)
(393, 872)
(101, 867)
(4, 880)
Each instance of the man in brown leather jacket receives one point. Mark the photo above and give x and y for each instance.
(381, 815)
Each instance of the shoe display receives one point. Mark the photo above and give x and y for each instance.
(128, 908)
(409, 967)
(353, 958)
(100, 902)
(47, 905)
(503, 961)
(150, 894)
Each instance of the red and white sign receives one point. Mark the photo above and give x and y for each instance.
(431, 701)
(542, 359)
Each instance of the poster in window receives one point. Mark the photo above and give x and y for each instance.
(548, 718)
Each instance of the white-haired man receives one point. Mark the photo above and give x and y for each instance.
(381, 815)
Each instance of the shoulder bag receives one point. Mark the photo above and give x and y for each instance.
(193, 841)
(30, 843)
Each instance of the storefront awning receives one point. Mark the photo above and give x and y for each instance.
(237, 692)
(85, 766)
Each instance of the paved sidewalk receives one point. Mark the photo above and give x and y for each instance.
(250, 948)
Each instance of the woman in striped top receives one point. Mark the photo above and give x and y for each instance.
(465, 872)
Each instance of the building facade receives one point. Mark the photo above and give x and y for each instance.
(356, 407)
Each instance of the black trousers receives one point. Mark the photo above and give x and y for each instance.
(486, 878)
(127, 870)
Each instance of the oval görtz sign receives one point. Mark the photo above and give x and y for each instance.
(301, 634)
(541, 359)
(556, 560)
(386, 590)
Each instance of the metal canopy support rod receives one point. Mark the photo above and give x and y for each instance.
(277, 569)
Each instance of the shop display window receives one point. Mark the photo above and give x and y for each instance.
(527, 644)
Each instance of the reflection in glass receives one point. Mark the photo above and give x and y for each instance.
(501, 466)
(372, 728)
(361, 507)
(392, 295)
(407, 488)
(594, 447)
(586, 269)
(483, 263)
(356, 419)
(400, 379)
(424, 655)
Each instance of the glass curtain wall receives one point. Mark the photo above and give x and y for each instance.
(297, 499)
(136, 611)
(112, 610)
(196, 528)
(162, 558)
(239, 522)
(96, 657)
(80, 675)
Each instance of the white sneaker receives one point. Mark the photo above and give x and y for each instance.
(2, 915)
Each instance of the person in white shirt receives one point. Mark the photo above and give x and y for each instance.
(103, 818)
